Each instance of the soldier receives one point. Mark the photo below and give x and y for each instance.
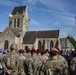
(47, 53)
(10, 61)
(33, 63)
(53, 66)
(73, 65)
(28, 56)
(22, 59)
(62, 59)
(43, 56)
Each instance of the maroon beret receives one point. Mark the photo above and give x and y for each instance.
(47, 50)
(33, 51)
(38, 50)
(21, 51)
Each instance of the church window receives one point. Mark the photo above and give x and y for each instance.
(26, 47)
(39, 45)
(14, 22)
(18, 22)
(6, 44)
(51, 45)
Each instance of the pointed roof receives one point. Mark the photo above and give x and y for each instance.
(15, 32)
(65, 43)
(30, 37)
(18, 9)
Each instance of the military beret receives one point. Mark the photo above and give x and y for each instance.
(21, 51)
(38, 50)
(47, 50)
(33, 51)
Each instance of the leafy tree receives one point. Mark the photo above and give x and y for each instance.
(72, 40)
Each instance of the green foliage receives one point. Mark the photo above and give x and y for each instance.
(72, 40)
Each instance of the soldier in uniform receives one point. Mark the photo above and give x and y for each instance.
(33, 63)
(43, 56)
(62, 59)
(28, 56)
(22, 59)
(53, 66)
(10, 61)
(73, 65)
(47, 53)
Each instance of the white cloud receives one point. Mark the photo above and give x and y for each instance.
(57, 23)
(8, 3)
(55, 4)
(65, 31)
(34, 22)
(69, 29)
(67, 17)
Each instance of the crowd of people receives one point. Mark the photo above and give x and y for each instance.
(38, 62)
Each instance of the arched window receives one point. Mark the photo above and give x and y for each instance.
(43, 46)
(26, 47)
(39, 45)
(14, 22)
(6, 44)
(51, 45)
(18, 22)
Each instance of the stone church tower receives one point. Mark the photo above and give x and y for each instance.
(18, 26)
(19, 19)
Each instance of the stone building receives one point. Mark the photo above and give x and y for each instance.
(66, 44)
(18, 32)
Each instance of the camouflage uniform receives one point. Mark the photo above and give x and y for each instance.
(28, 56)
(33, 66)
(10, 62)
(40, 62)
(53, 67)
(73, 66)
(63, 60)
(21, 65)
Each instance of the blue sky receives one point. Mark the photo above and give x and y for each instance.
(44, 15)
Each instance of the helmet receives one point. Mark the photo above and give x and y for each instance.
(56, 49)
(13, 46)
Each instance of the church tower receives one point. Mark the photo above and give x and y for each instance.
(19, 19)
